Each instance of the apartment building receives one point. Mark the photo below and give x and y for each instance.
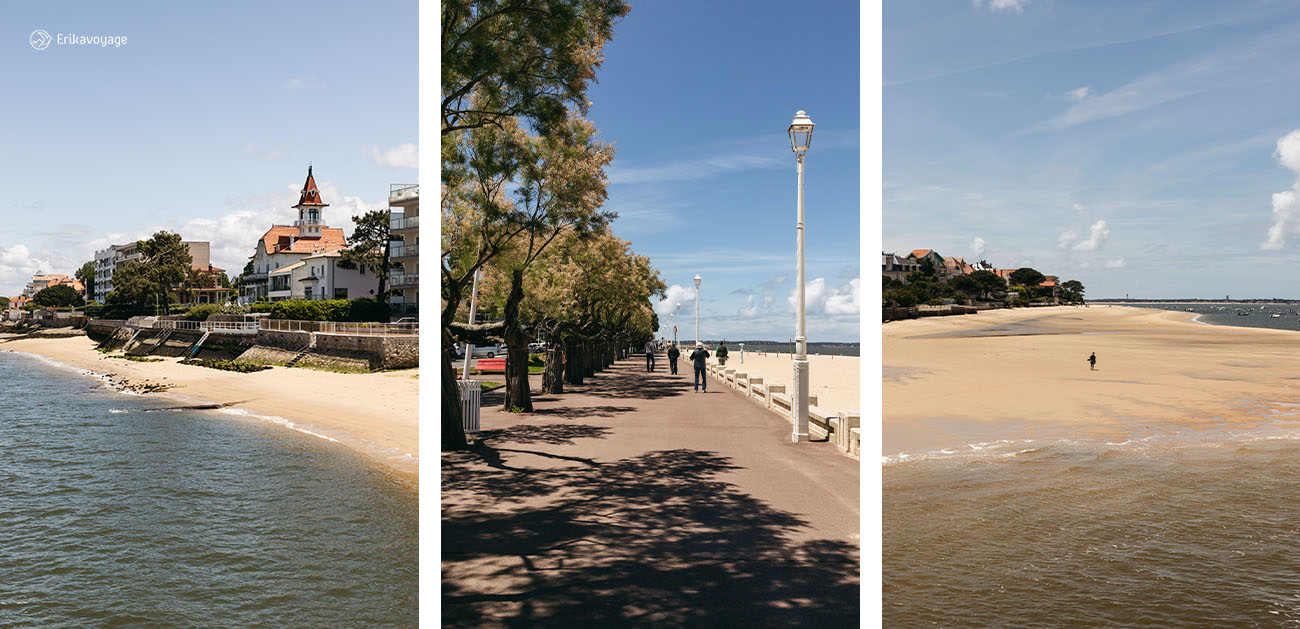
(405, 255)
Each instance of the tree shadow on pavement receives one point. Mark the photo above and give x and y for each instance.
(643, 385)
(652, 540)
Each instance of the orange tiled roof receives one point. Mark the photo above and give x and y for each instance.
(919, 253)
(331, 239)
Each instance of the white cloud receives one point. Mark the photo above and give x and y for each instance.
(1003, 5)
(1078, 208)
(18, 265)
(977, 246)
(1066, 237)
(1286, 204)
(750, 308)
(820, 299)
(1079, 93)
(401, 156)
(1097, 235)
(674, 295)
(1117, 263)
(298, 83)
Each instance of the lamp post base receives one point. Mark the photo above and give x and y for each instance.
(799, 401)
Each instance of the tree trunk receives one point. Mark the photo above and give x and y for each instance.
(518, 395)
(573, 368)
(453, 428)
(553, 373)
(589, 359)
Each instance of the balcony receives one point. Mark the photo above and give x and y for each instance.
(253, 278)
(399, 224)
(403, 251)
(403, 193)
(404, 280)
(308, 221)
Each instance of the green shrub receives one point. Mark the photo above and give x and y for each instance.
(233, 309)
(201, 312)
(330, 310)
(260, 306)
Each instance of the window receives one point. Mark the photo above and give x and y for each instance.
(306, 293)
(340, 293)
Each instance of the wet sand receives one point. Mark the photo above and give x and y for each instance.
(950, 382)
(376, 414)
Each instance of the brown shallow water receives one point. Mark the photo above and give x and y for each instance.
(1168, 533)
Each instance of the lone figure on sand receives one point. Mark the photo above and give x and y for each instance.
(650, 355)
(722, 353)
(673, 353)
(1092, 362)
(698, 357)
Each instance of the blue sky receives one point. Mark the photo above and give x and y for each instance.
(697, 97)
(203, 123)
(1141, 148)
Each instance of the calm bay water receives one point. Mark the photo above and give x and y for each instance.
(111, 515)
(1240, 315)
(1200, 529)
(1205, 535)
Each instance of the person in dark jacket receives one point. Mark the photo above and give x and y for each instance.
(722, 353)
(698, 357)
(673, 353)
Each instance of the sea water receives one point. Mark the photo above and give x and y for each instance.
(1160, 531)
(114, 513)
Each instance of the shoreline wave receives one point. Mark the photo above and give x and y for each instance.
(1003, 449)
(112, 383)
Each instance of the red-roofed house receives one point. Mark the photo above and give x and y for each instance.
(284, 245)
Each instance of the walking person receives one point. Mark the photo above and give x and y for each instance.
(1092, 362)
(722, 353)
(650, 355)
(673, 354)
(698, 357)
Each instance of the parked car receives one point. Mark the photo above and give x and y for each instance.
(536, 348)
(489, 351)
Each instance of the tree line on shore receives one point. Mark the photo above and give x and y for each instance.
(1021, 287)
(523, 189)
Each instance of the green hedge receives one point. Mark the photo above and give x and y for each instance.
(330, 310)
(201, 312)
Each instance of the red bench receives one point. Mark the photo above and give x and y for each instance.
(486, 365)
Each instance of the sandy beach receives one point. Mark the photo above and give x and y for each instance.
(376, 414)
(834, 379)
(950, 382)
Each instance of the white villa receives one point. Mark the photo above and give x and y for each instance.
(318, 276)
(286, 245)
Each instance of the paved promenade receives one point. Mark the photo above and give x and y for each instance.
(633, 501)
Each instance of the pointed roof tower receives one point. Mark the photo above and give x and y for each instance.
(310, 209)
(310, 193)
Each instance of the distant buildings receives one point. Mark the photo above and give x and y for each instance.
(112, 258)
(405, 255)
(43, 281)
(947, 267)
(897, 268)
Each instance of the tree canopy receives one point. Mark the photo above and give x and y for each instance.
(1025, 276)
(164, 263)
(86, 275)
(58, 296)
(523, 58)
(368, 247)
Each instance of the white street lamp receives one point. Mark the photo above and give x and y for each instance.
(697, 308)
(677, 316)
(800, 139)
